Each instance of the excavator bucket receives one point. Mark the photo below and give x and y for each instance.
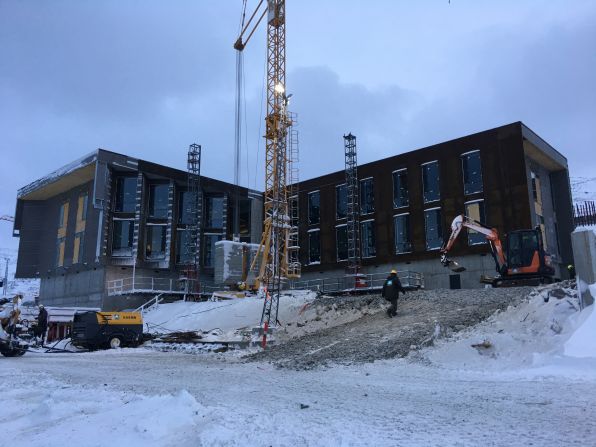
(453, 265)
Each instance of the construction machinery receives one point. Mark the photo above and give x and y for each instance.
(274, 256)
(11, 344)
(523, 260)
(94, 330)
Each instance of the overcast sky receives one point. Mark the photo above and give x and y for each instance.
(147, 78)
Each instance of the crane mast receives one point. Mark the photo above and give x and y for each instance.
(272, 255)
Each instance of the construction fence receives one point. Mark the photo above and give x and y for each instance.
(359, 283)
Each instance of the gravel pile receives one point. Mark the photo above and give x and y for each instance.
(365, 333)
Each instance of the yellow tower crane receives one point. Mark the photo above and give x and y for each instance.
(273, 260)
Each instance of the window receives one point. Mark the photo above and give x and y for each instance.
(536, 193)
(430, 182)
(244, 218)
(367, 196)
(472, 172)
(155, 242)
(158, 201)
(475, 210)
(367, 230)
(400, 188)
(341, 201)
(122, 237)
(341, 241)
(214, 212)
(314, 246)
(126, 194)
(209, 241)
(79, 247)
(433, 228)
(60, 252)
(186, 205)
(401, 228)
(183, 250)
(63, 219)
(314, 210)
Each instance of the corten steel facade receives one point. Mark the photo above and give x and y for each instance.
(521, 182)
(99, 218)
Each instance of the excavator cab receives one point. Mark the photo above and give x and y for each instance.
(526, 255)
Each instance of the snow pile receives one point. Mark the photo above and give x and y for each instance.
(583, 341)
(528, 335)
(78, 416)
(224, 320)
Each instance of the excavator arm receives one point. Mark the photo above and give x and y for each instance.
(491, 234)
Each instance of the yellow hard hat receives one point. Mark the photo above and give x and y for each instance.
(394, 271)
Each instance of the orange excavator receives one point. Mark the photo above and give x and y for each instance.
(522, 262)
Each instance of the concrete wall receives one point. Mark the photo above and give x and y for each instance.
(435, 275)
(83, 288)
(584, 254)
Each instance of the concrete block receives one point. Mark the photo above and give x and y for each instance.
(584, 254)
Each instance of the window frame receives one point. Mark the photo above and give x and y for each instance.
(372, 195)
(422, 168)
(409, 241)
(309, 217)
(461, 157)
(471, 202)
(132, 225)
(337, 189)
(337, 227)
(395, 206)
(374, 245)
(439, 226)
(310, 232)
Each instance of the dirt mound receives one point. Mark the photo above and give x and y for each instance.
(366, 333)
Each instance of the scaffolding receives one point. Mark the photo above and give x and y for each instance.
(193, 246)
(294, 266)
(353, 208)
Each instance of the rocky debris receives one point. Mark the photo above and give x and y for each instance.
(355, 329)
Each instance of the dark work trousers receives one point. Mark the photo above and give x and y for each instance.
(392, 310)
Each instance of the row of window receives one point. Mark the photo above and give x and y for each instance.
(402, 235)
(472, 180)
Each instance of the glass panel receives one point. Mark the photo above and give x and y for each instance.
(341, 239)
(400, 189)
(471, 168)
(314, 210)
(475, 210)
(209, 248)
(341, 201)
(402, 233)
(214, 212)
(122, 238)
(367, 196)
(156, 242)
(60, 252)
(61, 216)
(183, 252)
(314, 247)
(185, 207)
(126, 194)
(79, 245)
(158, 201)
(430, 182)
(433, 228)
(368, 239)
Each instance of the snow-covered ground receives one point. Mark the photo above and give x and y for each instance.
(523, 388)
(29, 288)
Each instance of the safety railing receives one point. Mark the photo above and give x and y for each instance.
(359, 282)
(144, 284)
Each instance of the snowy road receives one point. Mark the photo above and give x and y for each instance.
(136, 397)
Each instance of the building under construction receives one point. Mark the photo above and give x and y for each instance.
(110, 230)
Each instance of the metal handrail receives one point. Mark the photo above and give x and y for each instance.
(361, 281)
(147, 284)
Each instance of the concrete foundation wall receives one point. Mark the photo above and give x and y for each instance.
(83, 289)
(435, 275)
(584, 254)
